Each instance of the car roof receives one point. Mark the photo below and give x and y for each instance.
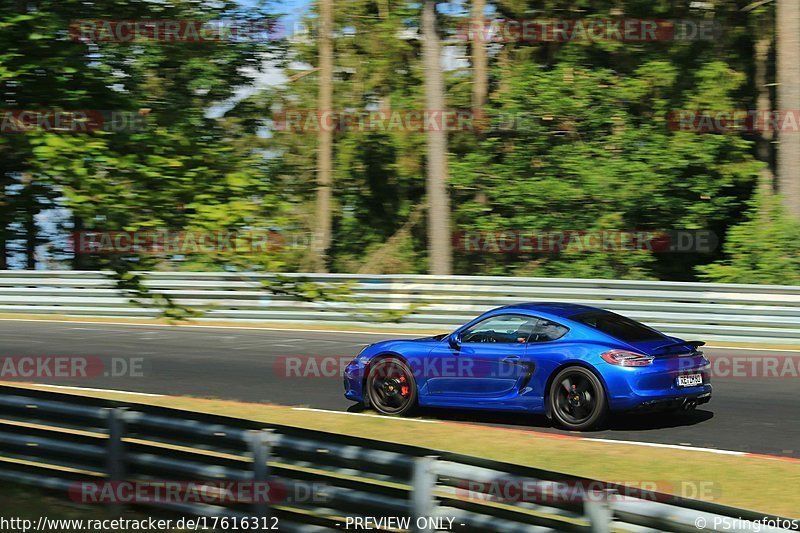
(564, 310)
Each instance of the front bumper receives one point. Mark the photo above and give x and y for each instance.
(354, 380)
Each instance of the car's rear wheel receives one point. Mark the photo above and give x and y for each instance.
(391, 387)
(577, 399)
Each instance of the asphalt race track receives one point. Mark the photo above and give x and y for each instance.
(746, 414)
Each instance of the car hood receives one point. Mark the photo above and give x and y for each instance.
(401, 345)
(439, 337)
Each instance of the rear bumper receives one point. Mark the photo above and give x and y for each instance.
(673, 404)
(656, 387)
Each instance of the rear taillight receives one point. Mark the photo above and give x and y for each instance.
(626, 358)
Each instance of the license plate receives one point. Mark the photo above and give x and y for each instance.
(690, 380)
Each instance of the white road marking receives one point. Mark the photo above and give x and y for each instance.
(97, 390)
(671, 446)
(365, 414)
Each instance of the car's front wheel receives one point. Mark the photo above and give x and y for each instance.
(391, 387)
(577, 399)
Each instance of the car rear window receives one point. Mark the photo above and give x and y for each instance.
(547, 331)
(618, 326)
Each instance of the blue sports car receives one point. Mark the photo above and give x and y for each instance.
(573, 363)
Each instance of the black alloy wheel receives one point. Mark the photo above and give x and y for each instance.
(391, 387)
(577, 399)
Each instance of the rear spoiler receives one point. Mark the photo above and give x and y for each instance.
(694, 344)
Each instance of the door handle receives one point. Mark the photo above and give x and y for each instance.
(512, 359)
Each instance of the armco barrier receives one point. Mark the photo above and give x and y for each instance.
(60, 441)
(707, 311)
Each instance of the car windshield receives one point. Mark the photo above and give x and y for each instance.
(618, 326)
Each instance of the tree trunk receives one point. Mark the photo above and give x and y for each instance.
(440, 254)
(3, 224)
(383, 9)
(31, 236)
(29, 207)
(79, 257)
(322, 234)
(788, 68)
(766, 180)
(480, 71)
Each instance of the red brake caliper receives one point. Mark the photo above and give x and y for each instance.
(403, 387)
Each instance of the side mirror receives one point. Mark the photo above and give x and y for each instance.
(455, 341)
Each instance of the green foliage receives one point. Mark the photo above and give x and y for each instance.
(592, 150)
(304, 290)
(183, 169)
(765, 248)
(588, 147)
(132, 285)
(387, 316)
(309, 291)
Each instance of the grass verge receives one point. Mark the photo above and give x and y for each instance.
(751, 482)
(27, 503)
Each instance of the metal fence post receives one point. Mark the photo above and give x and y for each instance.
(261, 448)
(115, 453)
(423, 503)
(598, 511)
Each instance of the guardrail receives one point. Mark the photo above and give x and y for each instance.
(709, 311)
(61, 442)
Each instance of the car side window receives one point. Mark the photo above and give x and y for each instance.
(506, 329)
(547, 330)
